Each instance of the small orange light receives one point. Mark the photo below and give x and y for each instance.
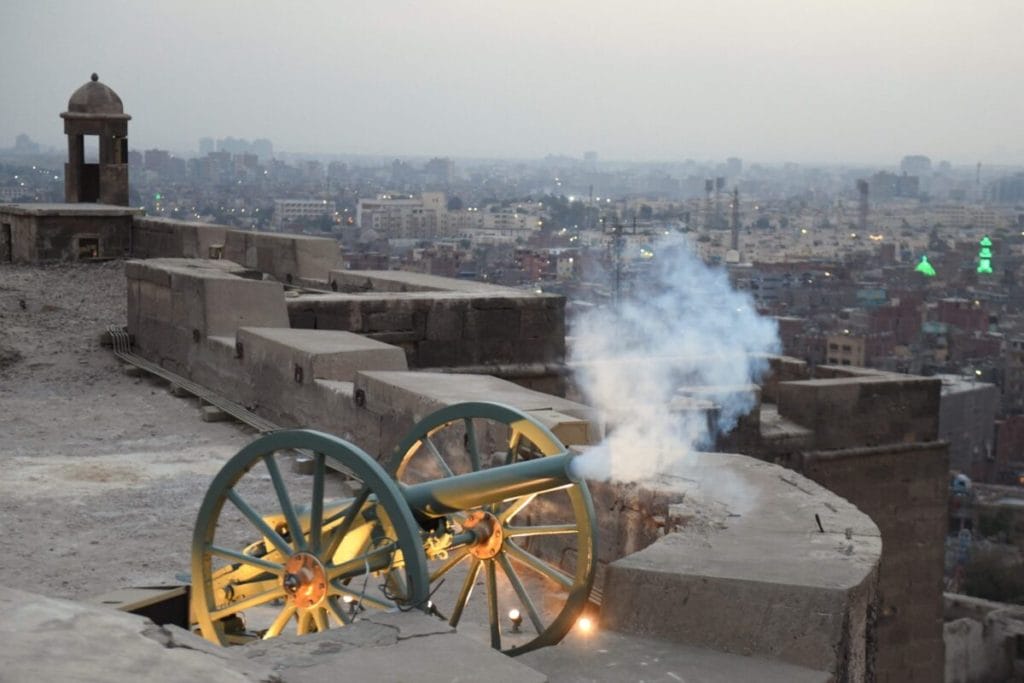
(585, 624)
(516, 617)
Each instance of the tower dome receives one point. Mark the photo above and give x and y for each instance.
(95, 98)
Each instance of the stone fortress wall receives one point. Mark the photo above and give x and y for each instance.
(357, 360)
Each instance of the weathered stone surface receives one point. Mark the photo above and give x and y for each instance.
(213, 414)
(44, 639)
(53, 232)
(174, 304)
(287, 258)
(753, 574)
(467, 324)
(388, 647)
(848, 412)
(170, 238)
(903, 486)
(608, 657)
(403, 281)
(323, 354)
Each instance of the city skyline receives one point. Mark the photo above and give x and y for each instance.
(796, 81)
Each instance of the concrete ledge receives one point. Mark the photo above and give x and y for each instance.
(402, 281)
(322, 354)
(751, 573)
(70, 209)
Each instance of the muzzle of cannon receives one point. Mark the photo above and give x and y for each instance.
(476, 519)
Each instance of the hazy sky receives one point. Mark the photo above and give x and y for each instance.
(797, 80)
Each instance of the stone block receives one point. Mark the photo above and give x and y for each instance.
(569, 430)
(439, 354)
(321, 354)
(863, 411)
(444, 323)
(753, 579)
(213, 414)
(492, 322)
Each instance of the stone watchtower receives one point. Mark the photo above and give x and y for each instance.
(95, 109)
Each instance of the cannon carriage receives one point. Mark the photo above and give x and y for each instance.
(477, 518)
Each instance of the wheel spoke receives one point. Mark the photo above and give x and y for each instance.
(337, 611)
(346, 523)
(242, 605)
(259, 562)
(471, 446)
(437, 456)
(316, 512)
(466, 592)
(305, 620)
(454, 558)
(280, 621)
(538, 565)
(524, 597)
(540, 530)
(369, 560)
(506, 515)
(320, 618)
(257, 521)
(513, 445)
(294, 527)
(492, 605)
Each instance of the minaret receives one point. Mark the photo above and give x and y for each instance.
(735, 219)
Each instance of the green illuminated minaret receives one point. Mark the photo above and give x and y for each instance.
(985, 256)
(924, 267)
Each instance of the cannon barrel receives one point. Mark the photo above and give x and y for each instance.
(466, 491)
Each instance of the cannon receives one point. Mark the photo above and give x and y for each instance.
(476, 493)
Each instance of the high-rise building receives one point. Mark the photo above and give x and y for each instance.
(916, 164)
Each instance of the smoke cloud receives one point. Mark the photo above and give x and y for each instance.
(653, 365)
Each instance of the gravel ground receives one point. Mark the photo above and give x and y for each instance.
(101, 474)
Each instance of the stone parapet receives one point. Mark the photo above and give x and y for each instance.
(850, 412)
(445, 329)
(766, 563)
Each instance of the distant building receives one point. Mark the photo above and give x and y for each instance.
(405, 217)
(156, 160)
(439, 171)
(845, 349)
(885, 185)
(1013, 377)
(206, 146)
(1008, 190)
(288, 211)
(967, 411)
(916, 164)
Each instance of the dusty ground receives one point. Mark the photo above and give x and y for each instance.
(101, 474)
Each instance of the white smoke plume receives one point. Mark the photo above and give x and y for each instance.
(686, 327)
